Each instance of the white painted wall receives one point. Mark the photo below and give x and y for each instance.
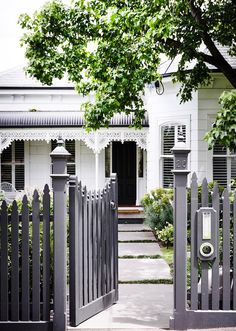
(208, 106)
(87, 167)
(42, 100)
(38, 166)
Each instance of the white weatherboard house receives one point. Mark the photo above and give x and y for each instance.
(33, 116)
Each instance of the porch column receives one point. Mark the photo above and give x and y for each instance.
(96, 171)
(137, 178)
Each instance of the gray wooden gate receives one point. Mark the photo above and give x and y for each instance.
(209, 299)
(93, 246)
(33, 254)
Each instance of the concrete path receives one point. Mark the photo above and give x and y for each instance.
(143, 269)
(140, 306)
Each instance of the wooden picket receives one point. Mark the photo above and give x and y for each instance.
(24, 275)
(93, 250)
(215, 263)
(194, 260)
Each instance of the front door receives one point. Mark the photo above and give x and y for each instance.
(124, 164)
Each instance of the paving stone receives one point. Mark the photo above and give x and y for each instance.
(142, 269)
(140, 306)
(133, 227)
(135, 249)
(132, 236)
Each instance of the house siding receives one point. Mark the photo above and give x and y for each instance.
(208, 105)
(166, 110)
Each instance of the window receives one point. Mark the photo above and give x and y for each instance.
(224, 166)
(70, 147)
(12, 165)
(169, 135)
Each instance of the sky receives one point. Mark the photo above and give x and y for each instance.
(11, 54)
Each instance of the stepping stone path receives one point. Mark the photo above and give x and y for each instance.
(132, 244)
(139, 249)
(134, 236)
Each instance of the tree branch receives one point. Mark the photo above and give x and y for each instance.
(208, 58)
(178, 45)
(219, 60)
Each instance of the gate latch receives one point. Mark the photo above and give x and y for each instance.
(113, 205)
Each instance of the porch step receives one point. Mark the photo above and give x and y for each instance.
(130, 215)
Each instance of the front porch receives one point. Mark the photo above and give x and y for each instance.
(28, 138)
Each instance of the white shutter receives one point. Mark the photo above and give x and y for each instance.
(220, 165)
(70, 147)
(168, 179)
(233, 171)
(169, 138)
(19, 165)
(6, 165)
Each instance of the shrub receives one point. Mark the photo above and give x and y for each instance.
(158, 208)
(166, 235)
(158, 205)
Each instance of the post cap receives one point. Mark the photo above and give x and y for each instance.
(60, 150)
(180, 148)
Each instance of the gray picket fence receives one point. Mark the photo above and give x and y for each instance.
(216, 289)
(208, 299)
(93, 249)
(25, 282)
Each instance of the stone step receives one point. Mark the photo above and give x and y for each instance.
(133, 227)
(137, 249)
(133, 236)
(130, 220)
(143, 269)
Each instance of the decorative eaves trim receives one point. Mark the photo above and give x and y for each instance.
(96, 141)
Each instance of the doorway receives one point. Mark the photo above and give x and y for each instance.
(124, 164)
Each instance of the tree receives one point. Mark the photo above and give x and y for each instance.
(113, 48)
(224, 128)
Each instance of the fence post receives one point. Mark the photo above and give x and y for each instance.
(180, 151)
(114, 187)
(59, 178)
